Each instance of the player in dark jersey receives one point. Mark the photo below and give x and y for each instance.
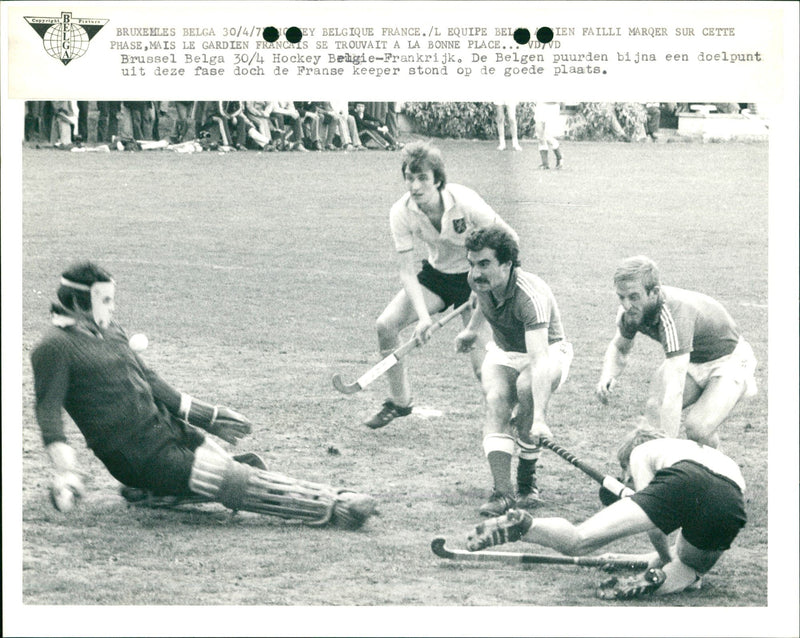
(146, 433)
(528, 361)
(680, 485)
(708, 367)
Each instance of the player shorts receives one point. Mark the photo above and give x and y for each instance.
(739, 365)
(160, 460)
(453, 288)
(708, 507)
(561, 350)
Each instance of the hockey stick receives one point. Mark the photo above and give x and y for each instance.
(613, 485)
(438, 548)
(390, 360)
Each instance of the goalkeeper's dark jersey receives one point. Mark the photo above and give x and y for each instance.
(104, 386)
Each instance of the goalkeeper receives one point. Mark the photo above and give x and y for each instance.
(145, 432)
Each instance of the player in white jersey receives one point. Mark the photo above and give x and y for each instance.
(439, 215)
(680, 485)
(708, 366)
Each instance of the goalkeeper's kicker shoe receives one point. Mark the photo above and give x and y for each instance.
(503, 529)
(388, 413)
(498, 504)
(629, 588)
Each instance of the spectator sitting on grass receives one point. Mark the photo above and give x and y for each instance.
(350, 127)
(287, 122)
(370, 128)
(310, 120)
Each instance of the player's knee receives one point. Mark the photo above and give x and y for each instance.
(498, 401)
(386, 328)
(703, 431)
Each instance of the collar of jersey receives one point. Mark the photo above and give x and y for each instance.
(447, 202)
(508, 293)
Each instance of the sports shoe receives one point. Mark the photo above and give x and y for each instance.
(544, 167)
(529, 500)
(387, 414)
(496, 531)
(635, 587)
(517, 147)
(145, 498)
(497, 505)
(559, 165)
(501, 147)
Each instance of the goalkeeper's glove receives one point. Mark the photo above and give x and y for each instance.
(66, 486)
(218, 420)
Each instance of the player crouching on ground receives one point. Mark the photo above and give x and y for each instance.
(528, 361)
(680, 485)
(143, 430)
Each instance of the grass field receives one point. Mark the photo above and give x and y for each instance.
(256, 277)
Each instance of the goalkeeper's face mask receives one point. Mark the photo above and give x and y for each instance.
(102, 295)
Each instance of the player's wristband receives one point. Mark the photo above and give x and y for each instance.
(197, 412)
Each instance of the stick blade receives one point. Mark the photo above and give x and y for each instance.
(343, 387)
(437, 547)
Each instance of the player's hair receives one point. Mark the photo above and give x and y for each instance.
(85, 273)
(638, 268)
(632, 439)
(503, 244)
(421, 156)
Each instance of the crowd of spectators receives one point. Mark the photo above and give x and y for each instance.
(226, 125)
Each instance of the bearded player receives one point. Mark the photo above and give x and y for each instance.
(680, 485)
(149, 436)
(708, 365)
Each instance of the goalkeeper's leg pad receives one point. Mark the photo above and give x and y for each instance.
(242, 487)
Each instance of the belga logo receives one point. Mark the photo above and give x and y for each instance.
(66, 38)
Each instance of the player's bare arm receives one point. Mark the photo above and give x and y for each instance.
(465, 340)
(536, 344)
(665, 552)
(672, 379)
(408, 277)
(614, 362)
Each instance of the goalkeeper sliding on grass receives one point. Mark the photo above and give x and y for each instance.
(144, 431)
(681, 485)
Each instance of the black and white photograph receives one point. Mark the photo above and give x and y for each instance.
(504, 328)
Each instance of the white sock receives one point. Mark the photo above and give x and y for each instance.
(679, 577)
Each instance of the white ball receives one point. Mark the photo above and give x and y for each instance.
(138, 342)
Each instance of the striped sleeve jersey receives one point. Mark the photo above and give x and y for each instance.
(687, 322)
(528, 304)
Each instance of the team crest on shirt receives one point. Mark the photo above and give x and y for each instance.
(460, 225)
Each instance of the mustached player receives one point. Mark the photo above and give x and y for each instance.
(151, 437)
(526, 363)
(680, 485)
(438, 215)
